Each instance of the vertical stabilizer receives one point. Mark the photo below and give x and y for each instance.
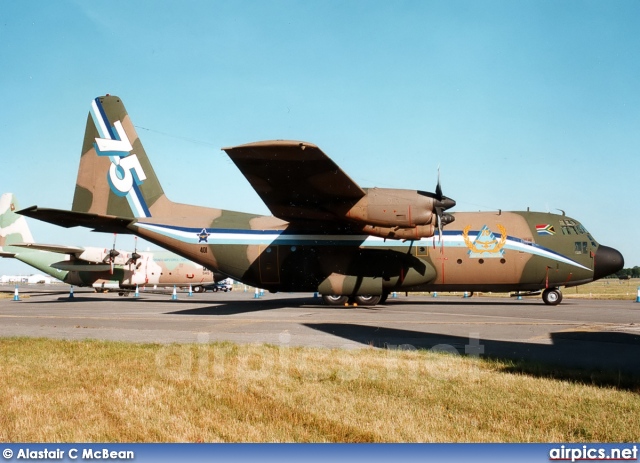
(13, 227)
(115, 176)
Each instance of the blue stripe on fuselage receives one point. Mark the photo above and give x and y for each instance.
(226, 236)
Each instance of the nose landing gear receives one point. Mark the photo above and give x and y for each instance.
(552, 296)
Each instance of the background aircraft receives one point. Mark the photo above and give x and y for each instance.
(327, 234)
(104, 269)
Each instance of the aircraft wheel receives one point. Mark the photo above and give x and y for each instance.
(367, 300)
(334, 299)
(552, 296)
(197, 289)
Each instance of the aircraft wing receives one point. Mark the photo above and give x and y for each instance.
(7, 254)
(69, 219)
(80, 266)
(60, 249)
(296, 180)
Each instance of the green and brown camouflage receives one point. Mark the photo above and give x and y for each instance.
(327, 234)
(101, 268)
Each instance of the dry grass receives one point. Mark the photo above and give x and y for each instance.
(92, 391)
(607, 289)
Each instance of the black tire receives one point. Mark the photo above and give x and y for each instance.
(552, 296)
(198, 289)
(367, 300)
(334, 299)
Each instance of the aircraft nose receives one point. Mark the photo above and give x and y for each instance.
(607, 261)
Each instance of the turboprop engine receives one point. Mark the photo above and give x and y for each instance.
(401, 214)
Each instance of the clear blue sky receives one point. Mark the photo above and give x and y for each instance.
(521, 103)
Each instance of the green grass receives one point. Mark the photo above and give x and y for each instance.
(95, 391)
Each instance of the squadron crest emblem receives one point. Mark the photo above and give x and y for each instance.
(485, 244)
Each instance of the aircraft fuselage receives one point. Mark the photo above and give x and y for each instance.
(479, 251)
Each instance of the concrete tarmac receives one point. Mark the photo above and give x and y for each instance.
(598, 335)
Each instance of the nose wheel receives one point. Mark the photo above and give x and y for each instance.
(552, 296)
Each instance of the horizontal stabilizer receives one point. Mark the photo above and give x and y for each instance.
(80, 266)
(69, 219)
(60, 249)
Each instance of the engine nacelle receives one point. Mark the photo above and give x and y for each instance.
(393, 208)
(100, 255)
(400, 233)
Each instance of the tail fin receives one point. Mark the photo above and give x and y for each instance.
(115, 176)
(13, 227)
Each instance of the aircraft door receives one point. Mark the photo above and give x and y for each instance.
(269, 265)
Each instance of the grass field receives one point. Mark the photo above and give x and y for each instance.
(607, 289)
(94, 391)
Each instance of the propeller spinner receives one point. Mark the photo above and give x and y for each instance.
(441, 204)
(111, 255)
(134, 256)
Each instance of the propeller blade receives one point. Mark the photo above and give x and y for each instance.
(438, 187)
(135, 256)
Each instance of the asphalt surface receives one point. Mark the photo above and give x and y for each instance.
(600, 335)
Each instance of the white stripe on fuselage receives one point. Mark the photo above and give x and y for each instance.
(278, 237)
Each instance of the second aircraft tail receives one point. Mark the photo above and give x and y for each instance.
(13, 227)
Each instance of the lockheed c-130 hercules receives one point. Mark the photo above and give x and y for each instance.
(327, 234)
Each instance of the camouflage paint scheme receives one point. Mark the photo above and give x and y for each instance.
(90, 266)
(327, 234)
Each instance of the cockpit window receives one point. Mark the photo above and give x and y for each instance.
(581, 247)
(571, 227)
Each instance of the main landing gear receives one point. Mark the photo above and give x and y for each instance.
(552, 296)
(365, 300)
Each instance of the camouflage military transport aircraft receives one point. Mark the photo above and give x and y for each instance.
(327, 234)
(104, 269)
